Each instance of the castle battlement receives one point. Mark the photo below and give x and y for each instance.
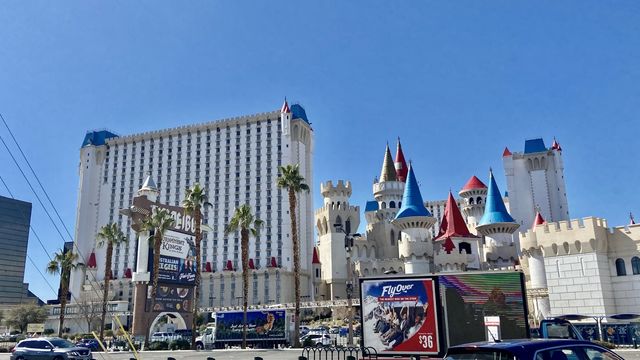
(337, 206)
(568, 237)
(388, 187)
(343, 188)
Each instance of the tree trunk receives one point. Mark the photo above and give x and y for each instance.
(196, 288)
(157, 243)
(244, 233)
(105, 292)
(296, 266)
(63, 304)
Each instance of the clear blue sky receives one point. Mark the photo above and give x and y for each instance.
(456, 81)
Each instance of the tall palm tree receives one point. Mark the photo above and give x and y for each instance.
(244, 221)
(291, 180)
(157, 223)
(194, 199)
(111, 235)
(63, 262)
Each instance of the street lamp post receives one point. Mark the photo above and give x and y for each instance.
(348, 244)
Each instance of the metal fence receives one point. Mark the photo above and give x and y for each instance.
(338, 353)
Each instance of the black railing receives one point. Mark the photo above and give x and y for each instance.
(338, 353)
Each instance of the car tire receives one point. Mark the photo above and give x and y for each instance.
(199, 346)
(19, 358)
(58, 358)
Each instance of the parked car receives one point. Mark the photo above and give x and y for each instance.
(318, 339)
(531, 349)
(49, 349)
(91, 344)
(185, 334)
(304, 330)
(334, 330)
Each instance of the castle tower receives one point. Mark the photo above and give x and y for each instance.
(537, 291)
(458, 248)
(285, 115)
(387, 192)
(400, 164)
(317, 291)
(414, 220)
(474, 193)
(150, 190)
(535, 180)
(331, 242)
(498, 227)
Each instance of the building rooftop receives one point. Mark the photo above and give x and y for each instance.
(412, 204)
(534, 146)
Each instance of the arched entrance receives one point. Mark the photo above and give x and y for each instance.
(173, 318)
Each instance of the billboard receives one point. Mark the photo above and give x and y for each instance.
(261, 325)
(173, 298)
(400, 316)
(177, 259)
(469, 298)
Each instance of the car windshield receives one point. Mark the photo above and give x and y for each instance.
(61, 343)
(478, 354)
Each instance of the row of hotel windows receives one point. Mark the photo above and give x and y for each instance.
(621, 269)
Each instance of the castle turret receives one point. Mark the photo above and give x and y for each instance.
(285, 115)
(387, 192)
(498, 227)
(414, 220)
(331, 242)
(532, 254)
(400, 164)
(474, 193)
(454, 235)
(317, 291)
(150, 190)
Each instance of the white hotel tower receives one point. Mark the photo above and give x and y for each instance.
(236, 161)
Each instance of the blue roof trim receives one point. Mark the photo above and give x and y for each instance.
(298, 112)
(97, 138)
(371, 206)
(412, 204)
(534, 146)
(494, 209)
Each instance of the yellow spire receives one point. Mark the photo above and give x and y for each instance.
(388, 172)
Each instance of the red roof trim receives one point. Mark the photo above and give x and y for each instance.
(316, 259)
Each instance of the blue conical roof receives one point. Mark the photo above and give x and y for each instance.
(412, 204)
(494, 209)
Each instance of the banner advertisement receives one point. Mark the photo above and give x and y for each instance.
(399, 316)
(261, 324)
(173, 298)
(177, 259)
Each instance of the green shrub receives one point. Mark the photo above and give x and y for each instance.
(180, 345)
(308, 342)
(48, 331)
(159, 345)
(20, 338)
(108, 333)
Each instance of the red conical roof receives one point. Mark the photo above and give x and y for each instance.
(556, 145)
(127, 273)
(506, 152)
(315, 260)
(539, 220)
(207, 267)
(474, 183)
(452, 225)
(252, 266)
(285, 107)
(91, 264)
(273, 262)
(400, 164)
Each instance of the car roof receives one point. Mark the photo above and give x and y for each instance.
(521, 345)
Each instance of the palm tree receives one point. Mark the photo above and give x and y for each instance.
(63, 262)
(194, 199)
(244, 221)
(111, 235)
(291, 180)
(158, 223)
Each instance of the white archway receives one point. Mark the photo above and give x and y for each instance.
(175, 317)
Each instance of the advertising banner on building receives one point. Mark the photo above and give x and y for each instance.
(174, 298)
(177, 259)
(399, 316)
(261, 325)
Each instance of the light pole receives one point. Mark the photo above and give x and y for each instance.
(348, 244)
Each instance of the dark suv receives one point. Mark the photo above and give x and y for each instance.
(49, 349)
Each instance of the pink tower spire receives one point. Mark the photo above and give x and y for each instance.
(400, 164)
(285, 107)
